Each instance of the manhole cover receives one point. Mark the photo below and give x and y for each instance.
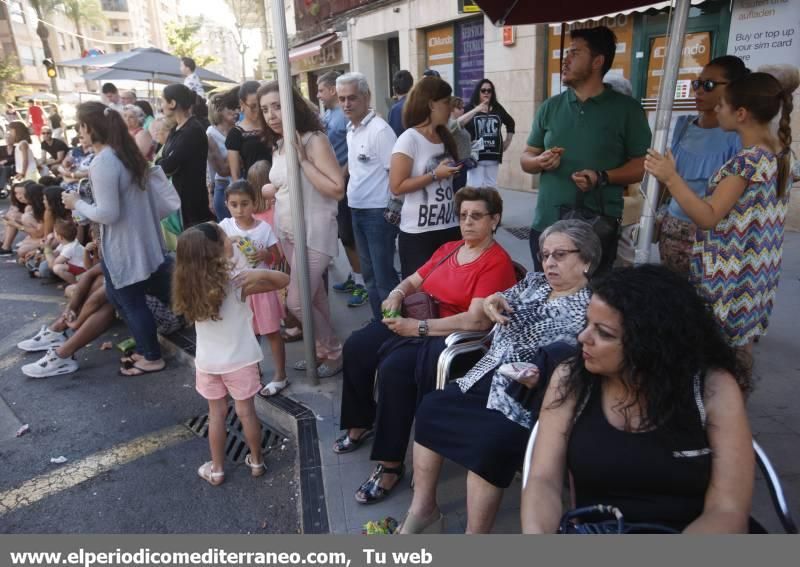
(521, 232)
(235, 443)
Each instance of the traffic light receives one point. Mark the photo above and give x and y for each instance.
(50, 66)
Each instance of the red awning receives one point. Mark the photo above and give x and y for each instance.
(312, 47)
(521, 12)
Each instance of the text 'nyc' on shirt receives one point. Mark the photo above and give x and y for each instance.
(432, 207)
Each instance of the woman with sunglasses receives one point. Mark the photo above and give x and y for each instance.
(483, 118)
(700, 148)
(395, 358)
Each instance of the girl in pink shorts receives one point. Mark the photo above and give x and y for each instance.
(210, 287)
(255, 238)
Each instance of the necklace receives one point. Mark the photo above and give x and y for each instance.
(473, 255)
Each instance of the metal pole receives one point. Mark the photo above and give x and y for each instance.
(293, 175)
(666, 95)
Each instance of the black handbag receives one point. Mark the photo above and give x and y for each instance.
(605, 227)
(573, 522)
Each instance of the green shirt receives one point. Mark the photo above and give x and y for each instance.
(603, 132)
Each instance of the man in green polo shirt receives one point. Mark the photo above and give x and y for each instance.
(589, 138)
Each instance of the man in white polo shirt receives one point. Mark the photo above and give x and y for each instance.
(369, 150)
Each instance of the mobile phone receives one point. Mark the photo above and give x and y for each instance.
(466, 164)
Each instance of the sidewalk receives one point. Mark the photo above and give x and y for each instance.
(774, 411)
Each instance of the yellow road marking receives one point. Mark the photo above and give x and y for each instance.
(75, 473)
(30, 297)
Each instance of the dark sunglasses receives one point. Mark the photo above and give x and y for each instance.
(486, 91)
(708, 85)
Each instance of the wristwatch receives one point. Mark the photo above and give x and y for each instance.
(602, 178)
(422, 328)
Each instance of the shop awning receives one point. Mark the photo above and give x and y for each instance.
(312, 47)
(520, 12)
(639, 9)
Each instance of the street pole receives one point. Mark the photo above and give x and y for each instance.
(666, 95)
(293, 178)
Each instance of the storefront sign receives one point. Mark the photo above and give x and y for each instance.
(621, 25)
(509, 35)
(328, 56)
(469, 57)
(765, 32)
(468, 7)
(439, 43)
(696, 54)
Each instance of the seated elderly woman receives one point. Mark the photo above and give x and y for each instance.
(400, 353)
(651, 418)
(134, 119)
(482, 421)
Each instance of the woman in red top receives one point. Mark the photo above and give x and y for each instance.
(401, 353)
(35, 117)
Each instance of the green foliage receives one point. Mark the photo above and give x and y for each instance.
(9, 72)
(183, 42)
(84, 12)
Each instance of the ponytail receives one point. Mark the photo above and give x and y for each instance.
(785, 137)
(106, 126)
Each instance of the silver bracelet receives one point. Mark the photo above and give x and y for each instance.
(398, 290)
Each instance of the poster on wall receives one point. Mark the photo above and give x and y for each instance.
(439, 42)
(765, 32)
(621, 25)
(469, 57)
(696, 54)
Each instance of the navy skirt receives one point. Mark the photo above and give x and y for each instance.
(461, 428)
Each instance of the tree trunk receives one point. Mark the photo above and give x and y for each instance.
(43, 33)
(82, 45)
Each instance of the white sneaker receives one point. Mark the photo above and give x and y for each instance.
(50, 365)
(45, 339)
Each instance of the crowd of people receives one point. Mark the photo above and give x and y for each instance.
(186, 217)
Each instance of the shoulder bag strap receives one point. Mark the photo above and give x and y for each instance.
(439, 263)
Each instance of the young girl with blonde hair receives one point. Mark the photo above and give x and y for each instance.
(210, 287)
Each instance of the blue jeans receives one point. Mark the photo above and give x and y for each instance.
(375, 244)
(220, 209)
(131, 303)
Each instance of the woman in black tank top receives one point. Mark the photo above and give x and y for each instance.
(650, 418)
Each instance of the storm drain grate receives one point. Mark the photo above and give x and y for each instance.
(521, 232)
(235, 443)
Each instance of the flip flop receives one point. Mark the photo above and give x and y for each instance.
(273, 388)
(140, 371)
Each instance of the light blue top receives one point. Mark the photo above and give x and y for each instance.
(336, 128)
(699, 154)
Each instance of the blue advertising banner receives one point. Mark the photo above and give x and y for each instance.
(469, 57)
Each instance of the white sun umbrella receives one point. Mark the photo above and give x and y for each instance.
(293, 174)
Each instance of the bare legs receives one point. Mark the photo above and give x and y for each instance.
(483, 498)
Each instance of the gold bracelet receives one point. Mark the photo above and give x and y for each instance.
(398, 290)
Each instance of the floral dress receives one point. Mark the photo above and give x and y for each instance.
(736, 265)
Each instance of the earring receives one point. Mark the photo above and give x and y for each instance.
(586, 271)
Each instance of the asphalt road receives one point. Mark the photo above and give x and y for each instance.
(131, 464)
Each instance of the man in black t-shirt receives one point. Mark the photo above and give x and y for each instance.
(53, 150)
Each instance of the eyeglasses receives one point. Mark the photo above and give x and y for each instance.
(708, 85)
(473, 216)
(558, 255)
(487, 91)
(45, 133)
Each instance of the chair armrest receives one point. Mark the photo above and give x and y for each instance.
(461, 336)
(775, 489)
(448, 355)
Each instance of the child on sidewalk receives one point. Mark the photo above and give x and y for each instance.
(67, 260)
(256, 239)
(210, 284)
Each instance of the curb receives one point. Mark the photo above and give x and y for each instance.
(291, 419)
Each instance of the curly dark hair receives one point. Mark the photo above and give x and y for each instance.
(34, 194)
(52, 194)
(669, 335)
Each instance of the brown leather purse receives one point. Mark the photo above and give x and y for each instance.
(420, 305)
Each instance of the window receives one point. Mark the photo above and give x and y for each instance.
(62, 41)
(115, 5)
(17, 13)
(26, 55)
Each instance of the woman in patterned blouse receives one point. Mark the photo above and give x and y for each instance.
(482, 421)
(736, 259)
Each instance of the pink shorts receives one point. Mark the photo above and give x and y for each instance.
(241, 384)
